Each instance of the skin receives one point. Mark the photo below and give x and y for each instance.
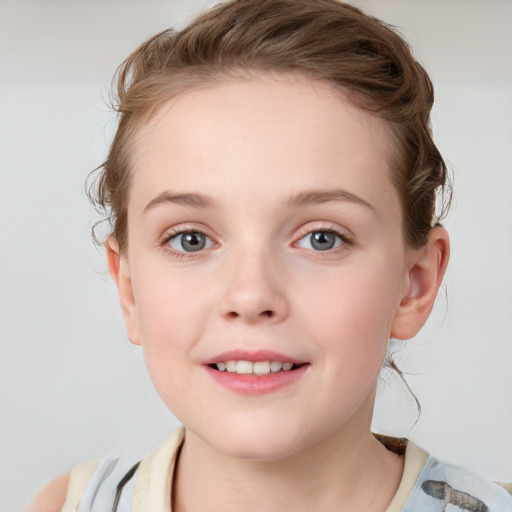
(251, 145)
(52, 497)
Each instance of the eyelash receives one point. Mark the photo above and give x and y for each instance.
(346, 241)
(180, 254)
(343, 237)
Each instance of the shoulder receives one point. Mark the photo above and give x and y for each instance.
(96, 485)
(52, 497)
(64, 492)
(439, 484)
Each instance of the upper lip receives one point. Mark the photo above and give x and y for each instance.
(253, 356)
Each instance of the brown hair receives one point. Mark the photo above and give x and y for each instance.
(320, 39)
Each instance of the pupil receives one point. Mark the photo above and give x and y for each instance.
(322, 240)
(193, 242)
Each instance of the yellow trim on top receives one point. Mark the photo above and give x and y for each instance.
(79, 479)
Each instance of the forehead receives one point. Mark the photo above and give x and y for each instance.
(263, 133)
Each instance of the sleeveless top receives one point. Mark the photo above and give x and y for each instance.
(427, 485)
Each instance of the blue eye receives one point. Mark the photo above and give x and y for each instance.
(190, 241)
(321, 240)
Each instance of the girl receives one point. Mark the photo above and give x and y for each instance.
(271, 190)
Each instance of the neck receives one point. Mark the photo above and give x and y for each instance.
(344, 471)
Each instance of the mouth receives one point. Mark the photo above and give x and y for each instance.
(243, 367)
(255, 372)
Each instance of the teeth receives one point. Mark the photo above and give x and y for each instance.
(261, 368)
(258, 368)
(275, 366)
(244, 367)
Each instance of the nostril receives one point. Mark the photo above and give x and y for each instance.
(268, 313)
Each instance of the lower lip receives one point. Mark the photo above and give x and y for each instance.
(256, 384)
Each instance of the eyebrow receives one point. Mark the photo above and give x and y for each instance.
(305, 198)
(317, 196)
(195, 200)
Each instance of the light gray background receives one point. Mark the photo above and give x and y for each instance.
(73, 388)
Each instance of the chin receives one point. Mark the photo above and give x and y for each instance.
(268, 441)
(259, 449)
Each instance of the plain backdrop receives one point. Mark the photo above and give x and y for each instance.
(73, 388)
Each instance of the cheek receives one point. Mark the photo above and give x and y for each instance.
(166, 299)
(352, 309)
(172, 314)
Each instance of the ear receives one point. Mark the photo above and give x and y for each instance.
(427, 266)
(120, 272)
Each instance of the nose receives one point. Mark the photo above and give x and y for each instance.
(253, 289)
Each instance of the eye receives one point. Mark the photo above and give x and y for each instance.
(321, 240)
(190, 241)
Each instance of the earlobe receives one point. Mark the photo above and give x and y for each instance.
(120, 272)
(425, 275)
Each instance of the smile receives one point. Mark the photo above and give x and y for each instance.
(255, 372)
(255, 368)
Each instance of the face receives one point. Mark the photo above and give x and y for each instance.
(266, 266)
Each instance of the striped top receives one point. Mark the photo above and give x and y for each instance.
(427, 485)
